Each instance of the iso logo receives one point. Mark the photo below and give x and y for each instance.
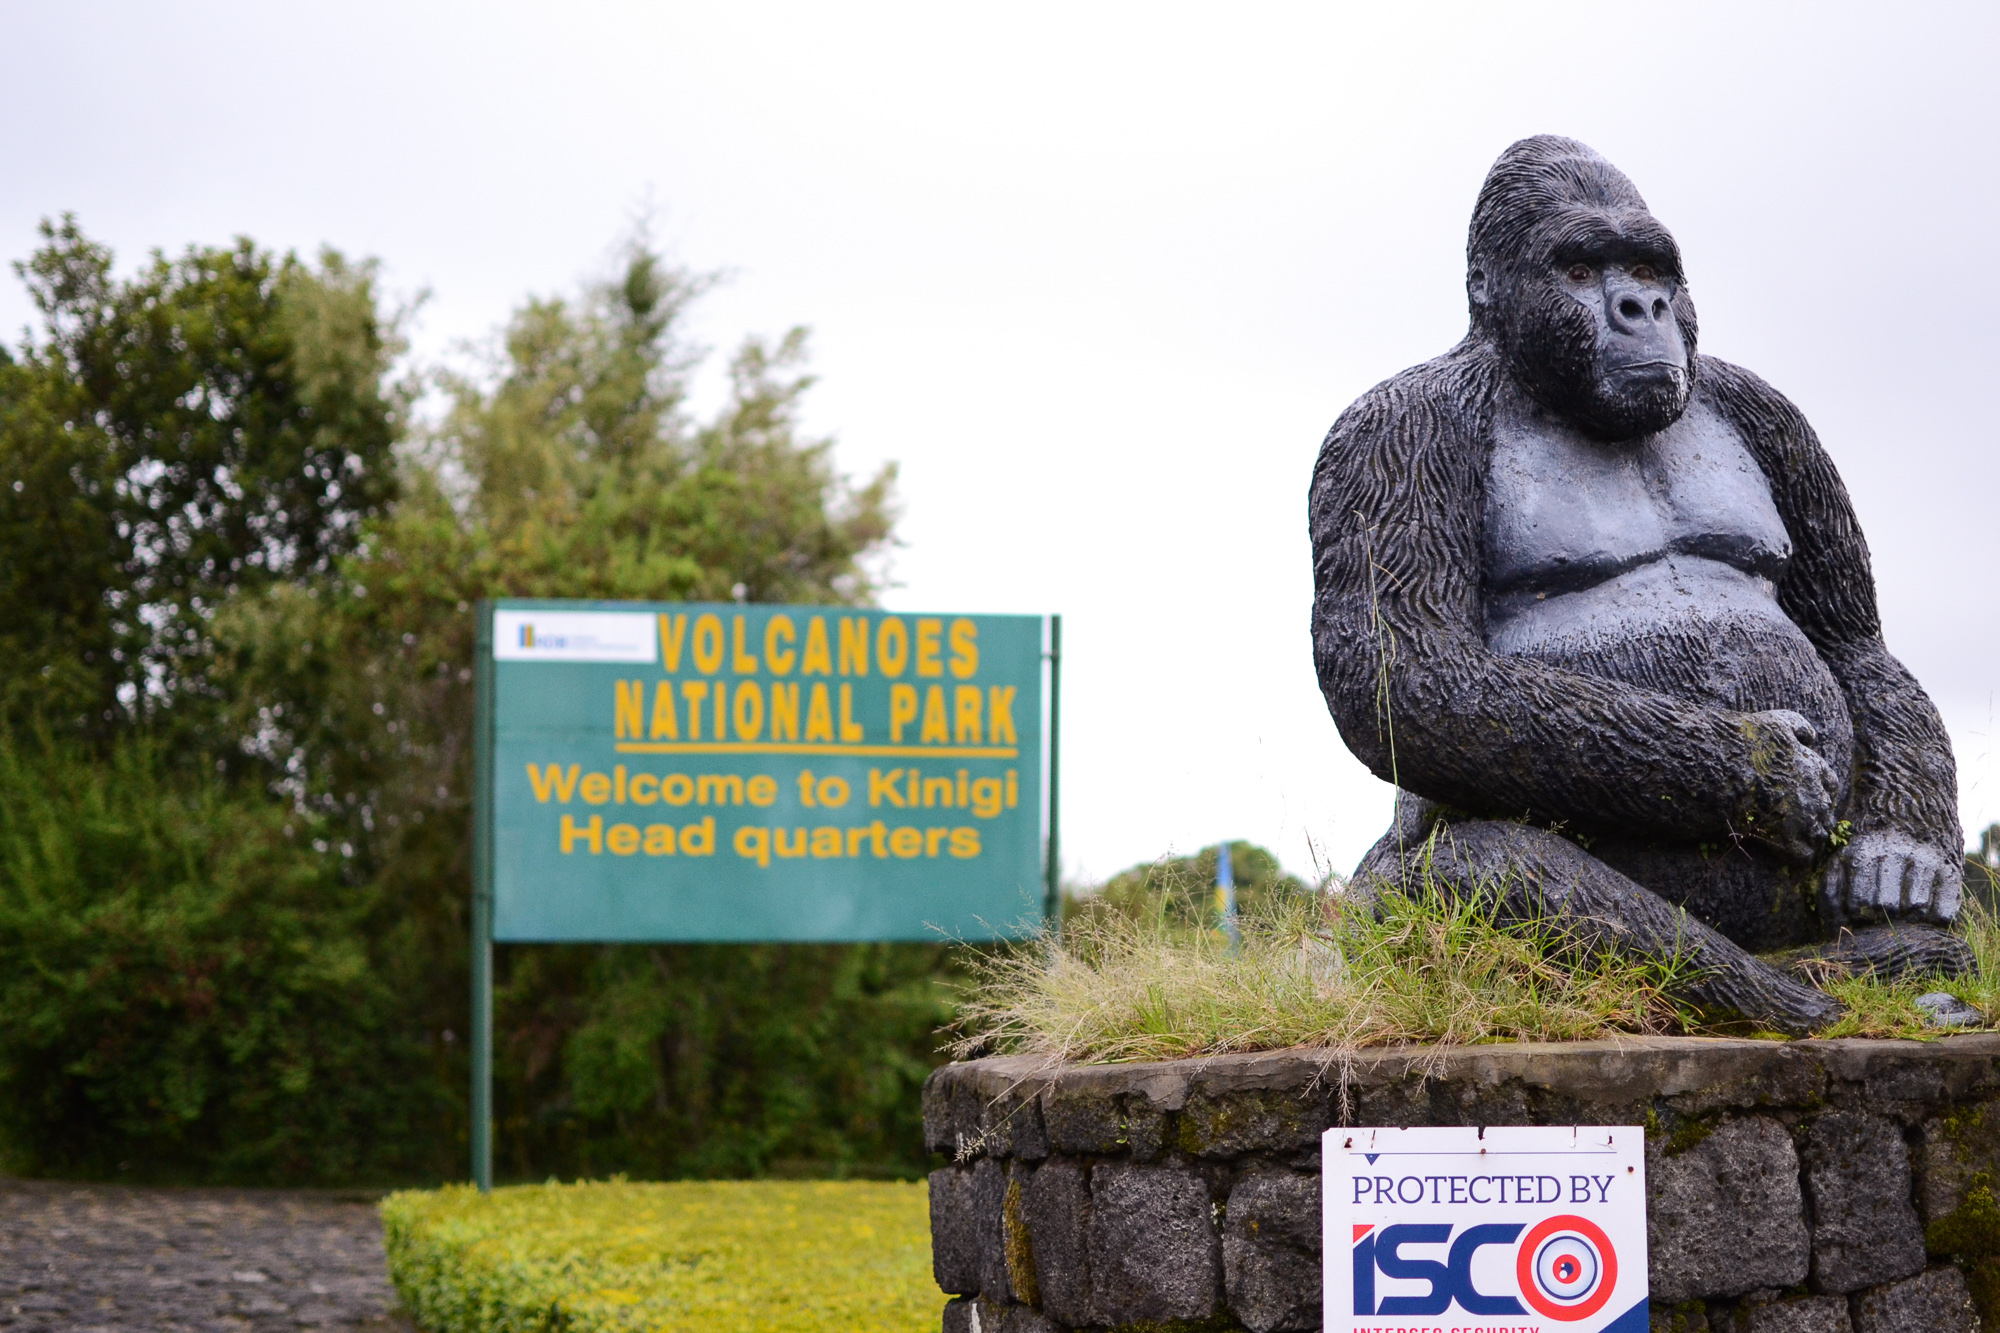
(1567, 1268)
(1494, 1230)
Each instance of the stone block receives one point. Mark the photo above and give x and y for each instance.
(1154, 1252)
(1934, 1302)
(1083, 1119)
(1810, 1314)
(1960, 1151)
(955, 1231)
(966, 1315)
(1725, 1216)
(1907, 1080)
(1055, 1208)
(1230, 1123)
(986, 1108)
(1146, 1127)
(1271, 1241)
(989, 1197)
(1016, 1248)
(1014, 1121)
(940, 1134)
(1864, 1223)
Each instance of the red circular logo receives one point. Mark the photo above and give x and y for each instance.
(1566, 1268)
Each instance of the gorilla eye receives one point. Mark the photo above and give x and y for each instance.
(1643, 273)
(1579, 273)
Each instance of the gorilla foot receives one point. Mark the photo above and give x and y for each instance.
(1888, 953)
(1761, 993)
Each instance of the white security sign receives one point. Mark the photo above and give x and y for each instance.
(1507, 1229)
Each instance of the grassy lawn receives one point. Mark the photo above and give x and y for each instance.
(718, 1256)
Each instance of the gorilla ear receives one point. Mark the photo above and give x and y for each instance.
(1476, 285)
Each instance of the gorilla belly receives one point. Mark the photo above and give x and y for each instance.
(1710, 633)
(1698, 629)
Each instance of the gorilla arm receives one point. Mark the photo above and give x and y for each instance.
(1904, 856)
(1396, 518)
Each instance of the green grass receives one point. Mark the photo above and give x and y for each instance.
(717, 1256)
(1885, 1009)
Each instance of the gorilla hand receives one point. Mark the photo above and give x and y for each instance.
(1892, 874)
(1795, 787)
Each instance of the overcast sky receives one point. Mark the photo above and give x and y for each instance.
(1099, 277)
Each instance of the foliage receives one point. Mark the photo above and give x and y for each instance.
(216, 422)
(1312, 970)
(719, 1060)
(1181, 889)
(293, 630)
(191, 991)
(733, 1258)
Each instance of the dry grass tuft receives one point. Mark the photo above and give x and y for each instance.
(1312, 970)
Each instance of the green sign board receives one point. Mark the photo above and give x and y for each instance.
(687, 771)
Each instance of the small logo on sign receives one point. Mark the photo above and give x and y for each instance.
(1568, 1268)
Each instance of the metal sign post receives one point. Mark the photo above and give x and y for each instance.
(1052, 892)
(482, 902)
(653, 772)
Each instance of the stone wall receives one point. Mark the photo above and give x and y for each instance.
(1802, 1187)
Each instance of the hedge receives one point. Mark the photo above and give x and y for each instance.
(719, 1256)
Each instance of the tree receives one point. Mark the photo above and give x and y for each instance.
(214, 424)
(573, 468)
(224, 538)
(1180, 890)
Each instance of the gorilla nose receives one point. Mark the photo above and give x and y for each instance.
(1642, 330)
(1634, 311)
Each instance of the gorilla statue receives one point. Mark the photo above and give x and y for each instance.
(1599, 607)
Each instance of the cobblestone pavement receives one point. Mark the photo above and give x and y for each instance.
(82, 1257)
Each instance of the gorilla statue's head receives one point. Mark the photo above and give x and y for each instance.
(1580, 289)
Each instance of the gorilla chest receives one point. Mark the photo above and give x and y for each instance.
(1565, 513)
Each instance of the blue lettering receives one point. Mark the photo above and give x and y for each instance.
(1389, 1259)
(1364, 1276)
(1469, 1297)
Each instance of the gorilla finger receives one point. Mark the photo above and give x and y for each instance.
(1889, 881)
(1951, 893)
(1922, 880)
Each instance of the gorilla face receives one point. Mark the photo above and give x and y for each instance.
(1596, 339)
(1580, 289)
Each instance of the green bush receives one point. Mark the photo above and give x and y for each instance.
(1179, 891)
(735, 1257)
(237, 578)
(191, 988)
